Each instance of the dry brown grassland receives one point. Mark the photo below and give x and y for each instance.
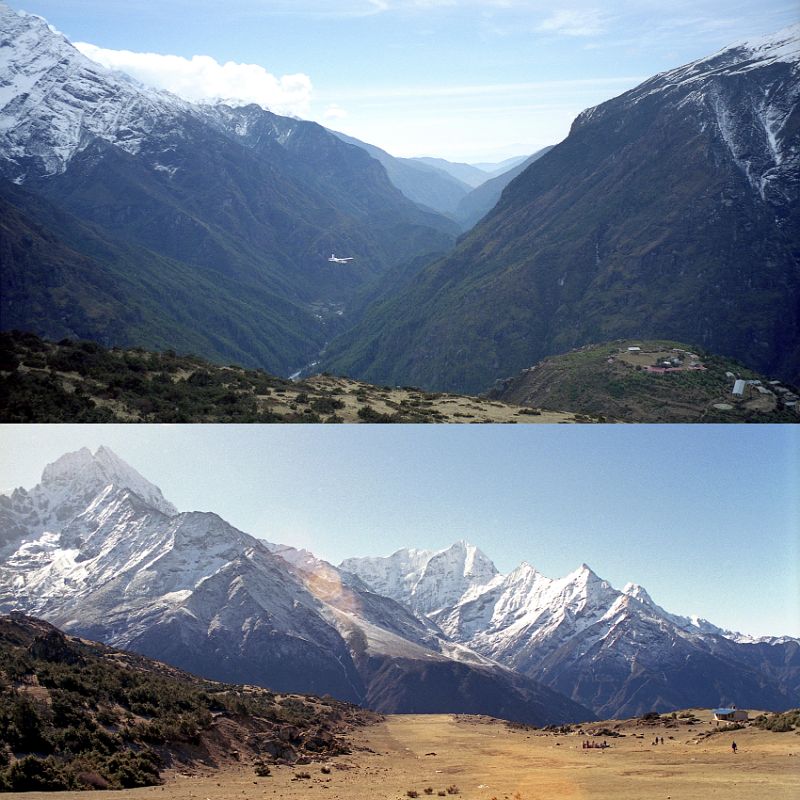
(485, 759)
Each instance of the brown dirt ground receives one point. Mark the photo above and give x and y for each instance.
(486, 759)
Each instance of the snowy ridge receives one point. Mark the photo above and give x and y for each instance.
(54, 100)
(523, 617)
(615, 651)
(692, 624)
(427, 580)
(529, 613)
(783, 46)
(118, 541)
(384, 626)
(747, 93)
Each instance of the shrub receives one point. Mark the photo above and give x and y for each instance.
(326, 405)
(129, 770)
(779, 723)
(8, 360)
(32, 773)
(23, 727)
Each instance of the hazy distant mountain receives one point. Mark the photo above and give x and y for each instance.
(237, 209)
(97, 550)
(669, 212)
(482, 199)
(426, 185)
(614, 651)
(498, 168)
(466, 173)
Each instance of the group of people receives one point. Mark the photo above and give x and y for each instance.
(587, 745)
(656, 740)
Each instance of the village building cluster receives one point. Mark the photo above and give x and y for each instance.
(785, 395)
(660, 361)
(761, 395)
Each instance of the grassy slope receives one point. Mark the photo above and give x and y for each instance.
(75, 714)
(64, 277)
(84, 382)
(584, 382)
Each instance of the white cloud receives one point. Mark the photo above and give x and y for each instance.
(334, 111)
(202, 78)
(586, 22)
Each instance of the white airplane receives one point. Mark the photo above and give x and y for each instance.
(336, 260)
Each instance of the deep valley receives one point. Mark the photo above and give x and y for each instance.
(133, 218)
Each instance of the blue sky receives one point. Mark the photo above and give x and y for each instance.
(705, 517)
(462, 79)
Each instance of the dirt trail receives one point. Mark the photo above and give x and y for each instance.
(486, 760)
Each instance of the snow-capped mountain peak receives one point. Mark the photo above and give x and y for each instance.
(638, 592)
(584, 573)
(53, 95)
(425, 579)
(82, 472)
(782, 46)
(70, 485)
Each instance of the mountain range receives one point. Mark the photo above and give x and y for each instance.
(97, 550)
(669, 212)
(615, 651)
(172, 224)
(135, 218)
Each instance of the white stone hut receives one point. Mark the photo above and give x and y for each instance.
(731, 714)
